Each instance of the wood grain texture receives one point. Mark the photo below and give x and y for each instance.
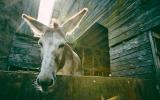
(94, 43)
(133, 58)
(77, 88)
(125, 20)
(25, 52)
(10, 11)
(130, 17)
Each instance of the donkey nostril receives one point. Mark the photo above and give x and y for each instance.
(51, 82)
(46, 82)
(38, 82)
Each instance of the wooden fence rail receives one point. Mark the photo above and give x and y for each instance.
(19, 86)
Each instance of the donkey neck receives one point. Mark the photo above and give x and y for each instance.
(70, 60)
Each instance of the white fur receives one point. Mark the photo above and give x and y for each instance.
(52, 37)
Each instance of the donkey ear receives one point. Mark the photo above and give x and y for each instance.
(37, 27)
(73, 22)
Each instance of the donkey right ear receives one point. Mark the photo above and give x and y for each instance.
(72, 23)
(37, 27)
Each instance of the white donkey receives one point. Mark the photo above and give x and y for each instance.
(57, 55)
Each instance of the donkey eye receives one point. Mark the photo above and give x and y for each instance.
(61, 45)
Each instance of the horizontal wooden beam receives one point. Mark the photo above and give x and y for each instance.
(19, 86)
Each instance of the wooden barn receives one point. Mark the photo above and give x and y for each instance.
(118, 42)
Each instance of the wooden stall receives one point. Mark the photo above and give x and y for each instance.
(128, 23)
(119, 38)
(93, 49)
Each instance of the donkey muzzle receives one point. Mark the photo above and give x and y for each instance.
(46, 83)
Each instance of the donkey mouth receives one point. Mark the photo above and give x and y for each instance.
(46, 89)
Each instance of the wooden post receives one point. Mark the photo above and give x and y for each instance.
(156, 59)
(83, 58)
(93, 55)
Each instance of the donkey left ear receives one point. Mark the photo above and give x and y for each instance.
(37, 27)
(73, 22)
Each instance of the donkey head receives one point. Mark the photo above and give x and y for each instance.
(52, 42)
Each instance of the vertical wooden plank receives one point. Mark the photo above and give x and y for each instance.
(83, 58)
(156, 59)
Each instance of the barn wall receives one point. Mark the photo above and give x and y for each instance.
(25, 52)
(121, 17)
(130, 50)
(64, 9)
(133, 58)
(127, 18)
(11, 22)
(10, 11)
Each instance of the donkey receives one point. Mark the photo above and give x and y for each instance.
(56, 54)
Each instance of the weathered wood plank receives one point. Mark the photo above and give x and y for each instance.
(135, 28)
(128, 16)
(135, 72)
(141, 76)
(19, 86)
(130, 51)
(146, 60)
(120, 14)
(132, 57)
(24, 52)
(139, 55)
(9, 21)
(131, 54)
(135, 42)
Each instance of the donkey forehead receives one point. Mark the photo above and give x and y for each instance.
(55, 37)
